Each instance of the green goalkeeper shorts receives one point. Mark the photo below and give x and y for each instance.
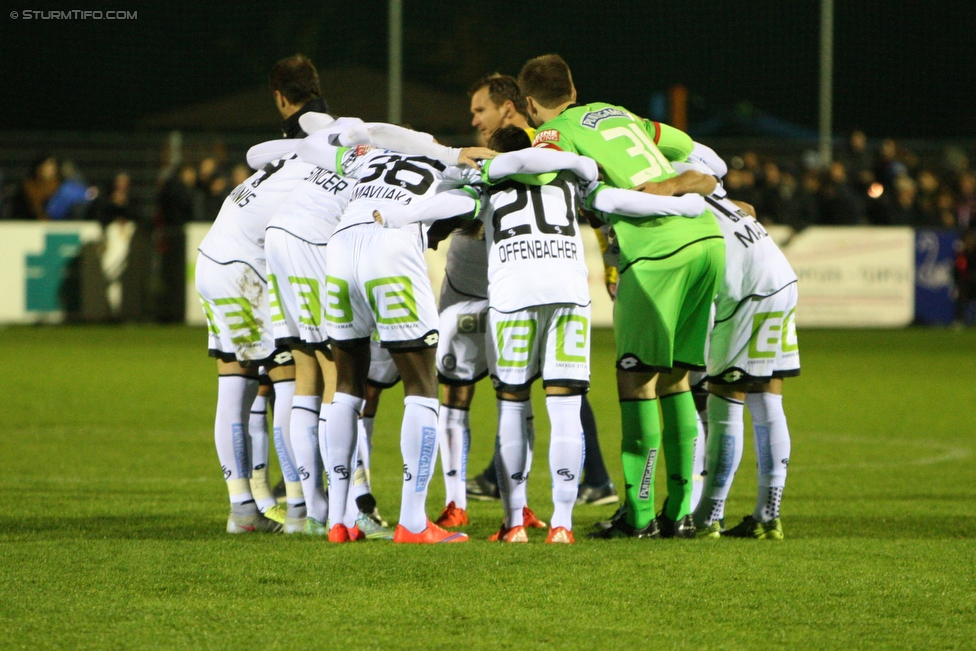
(661, 315)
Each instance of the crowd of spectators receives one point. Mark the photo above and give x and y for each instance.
(891, 186)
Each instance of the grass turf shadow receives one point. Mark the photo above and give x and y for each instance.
(879, 527)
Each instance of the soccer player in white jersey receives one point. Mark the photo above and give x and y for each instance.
(231, 280)
(538, 312)
(751, 349)
(378, 278)
(461, 353)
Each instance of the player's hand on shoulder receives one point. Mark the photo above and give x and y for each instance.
(471, 155)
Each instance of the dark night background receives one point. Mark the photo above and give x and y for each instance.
(902, 68)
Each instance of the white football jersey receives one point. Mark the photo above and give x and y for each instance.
(384, 176)
(754, 265)
(467, 266)
(312, 210)
(535, 252)
(238, 232)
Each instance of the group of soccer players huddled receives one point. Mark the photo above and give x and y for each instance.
(316, 291)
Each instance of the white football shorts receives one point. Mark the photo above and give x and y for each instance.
(235, 301)
(758, 342)
(383, 372)
(462, 351)
(296, 275)
(549, 340)
(377, 278)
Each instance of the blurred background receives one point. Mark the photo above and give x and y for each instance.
(120, 138)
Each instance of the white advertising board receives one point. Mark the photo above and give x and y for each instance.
(854, 276)
(34, 258)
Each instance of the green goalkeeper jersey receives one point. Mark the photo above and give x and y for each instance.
(631, 151)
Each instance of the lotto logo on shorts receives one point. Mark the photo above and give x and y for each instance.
(515, 341)
(392, 300)
(771, 333)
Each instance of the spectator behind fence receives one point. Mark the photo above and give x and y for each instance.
(839, 203)
(900, 209)
(120, 227)
(176, 208)
(30, 200)
(211, 190)
(72, 198)
(859, 162)
(239, 174)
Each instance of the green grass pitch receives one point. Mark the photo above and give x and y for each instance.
(111, 535)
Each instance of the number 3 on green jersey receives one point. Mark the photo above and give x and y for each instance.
(641, 146)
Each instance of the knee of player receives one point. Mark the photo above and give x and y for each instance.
(458, 396)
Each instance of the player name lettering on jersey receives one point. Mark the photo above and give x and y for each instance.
(751, 234)
(327, 180)
(538, 250)
(593, 118)
(242, 195)
(379, 192)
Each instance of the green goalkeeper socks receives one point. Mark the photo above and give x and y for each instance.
(641, 424)
(680, 432)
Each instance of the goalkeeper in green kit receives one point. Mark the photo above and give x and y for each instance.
(670, 269)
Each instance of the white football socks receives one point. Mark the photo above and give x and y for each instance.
(364, 446)
(341, 449)
(418, 444)
(305, 444)
(698, 471)
(284, 392)
(235, 394)
(512, 457)
(454, 430)
(722, 457)
(257, 429)
(565, 456)
(772, 442)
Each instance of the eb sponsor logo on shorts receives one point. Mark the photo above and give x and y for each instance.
(772, 333)
(572, 339)
(515, 342)
(338, 309)
(392, 300)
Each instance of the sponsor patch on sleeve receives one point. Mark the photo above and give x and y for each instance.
(362, 150)
(547, 135)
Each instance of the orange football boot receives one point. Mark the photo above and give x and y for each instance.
(432, 534)
(560, 535)
(339, 534)
(452, 517)
(516, 534)
(355, 534)
(529, 519)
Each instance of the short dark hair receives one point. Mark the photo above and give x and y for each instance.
(547, 80)
(510, 138)
(297, 79)
(501, 88)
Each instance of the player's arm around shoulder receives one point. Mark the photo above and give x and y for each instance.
(630, 203)
(462, 202)
(538, 161)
